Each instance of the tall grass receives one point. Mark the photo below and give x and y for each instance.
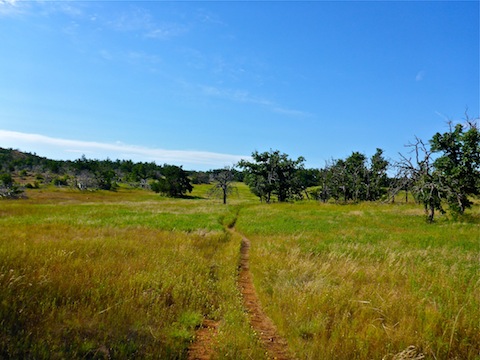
(125, 275)
(366, 281)
(131, 275)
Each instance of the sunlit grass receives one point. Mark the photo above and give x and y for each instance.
(125, 275)
(131, 274)
(365, 281)
(241, 194)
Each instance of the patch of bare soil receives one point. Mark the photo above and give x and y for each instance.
(274, 344)
(202, 348)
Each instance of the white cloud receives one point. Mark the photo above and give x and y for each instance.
(165, 31)
(420, 75)
(10, 7)
(133, 20)
(7, 3)
(142, 21)
(242, 96)
(67, 149)
(291, 112)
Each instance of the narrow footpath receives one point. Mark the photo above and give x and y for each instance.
(275, 346)
(202, 347)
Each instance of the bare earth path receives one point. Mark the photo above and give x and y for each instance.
(276, 346)
(202, 348)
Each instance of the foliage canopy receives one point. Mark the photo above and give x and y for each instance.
(273, 173)
(174, 182)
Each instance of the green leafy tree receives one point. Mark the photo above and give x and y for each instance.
(325, 190)
(356, 176)
(273, 173)
(353, 179)
(377, 179)
(106, 179)
(458, 165)
(449, 178)
(174, 182)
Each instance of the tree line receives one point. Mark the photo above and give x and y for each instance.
(90, 174)
(443, 171)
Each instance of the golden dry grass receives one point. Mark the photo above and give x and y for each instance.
(125, 275)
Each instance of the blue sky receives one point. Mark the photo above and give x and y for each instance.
(203, 84)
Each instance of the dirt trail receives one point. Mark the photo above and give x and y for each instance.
(274, 344)
(202, 348)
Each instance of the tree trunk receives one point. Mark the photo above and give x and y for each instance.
(431, 212)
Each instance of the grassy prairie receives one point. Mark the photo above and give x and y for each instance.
(131, 275)
(121, 275)
(367, 281)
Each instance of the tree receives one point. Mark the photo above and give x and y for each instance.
(200, 177)
(356, 173)
(9, 188)
(451, 177)
(376, 176)
(174, 182)
(426, 184)
(339, 180)
(325, 191)
(86, 180)
(273, 173)
(308, 178)
(458, 165)
(223, 183)
(400, 181)
(106, 179)
(354, 178)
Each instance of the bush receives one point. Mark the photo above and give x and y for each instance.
(8, 188)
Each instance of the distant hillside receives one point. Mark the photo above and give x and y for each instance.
(35, 170)
(11, 160)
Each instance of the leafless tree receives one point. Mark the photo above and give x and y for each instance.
(222, 183)
(426, 182)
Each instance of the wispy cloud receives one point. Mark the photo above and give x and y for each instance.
(243, 96)
(131, 57)
(141, 21)
(420, 75)
(59, 148)
(443, 116)
(290, 112)
(166, 31)
(10, 7)
(135, 20)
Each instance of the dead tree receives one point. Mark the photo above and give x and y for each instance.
(223, 183)
(426, 184)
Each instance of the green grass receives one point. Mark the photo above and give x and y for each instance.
(365, 281)
(131, 274)
(125, 275)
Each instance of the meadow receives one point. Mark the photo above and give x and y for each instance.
(130, 274)
(368, 280)
(117, 275)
